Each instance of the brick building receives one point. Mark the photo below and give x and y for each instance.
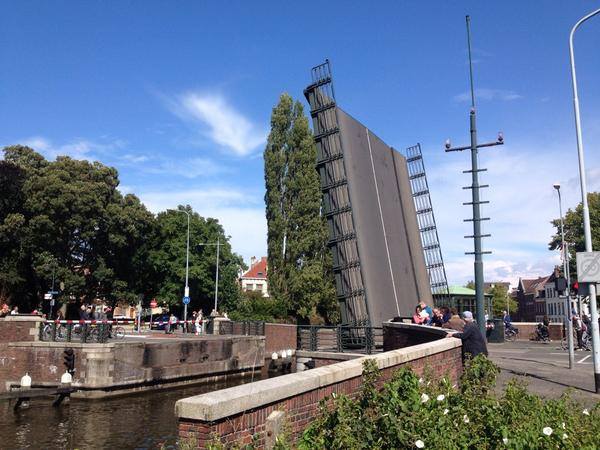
(531, 296)
(255, 279)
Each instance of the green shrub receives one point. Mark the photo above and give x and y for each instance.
(409, 412)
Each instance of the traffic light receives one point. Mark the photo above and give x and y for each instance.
(69, 356)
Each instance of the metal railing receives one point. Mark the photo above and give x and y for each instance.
(82, 331)
(246, 327)
(340, 339)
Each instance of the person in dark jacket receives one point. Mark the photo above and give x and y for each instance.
(473, 342)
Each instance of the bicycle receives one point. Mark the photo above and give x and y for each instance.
(48, 332)
(510, 334)
(586, 341)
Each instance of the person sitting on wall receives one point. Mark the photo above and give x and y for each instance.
(455, 322)
(5, 311)
(473, 342)
(417, 317)
(438, 319)
(446, 315)
(15, 311)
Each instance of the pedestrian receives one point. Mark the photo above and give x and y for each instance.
(5, 311)
(578, 328)
(15, 311)
(455, 322)
(418, 317)
(198, 323)
(425, 307)
(438, 319)
(473, 342)
(446, 314)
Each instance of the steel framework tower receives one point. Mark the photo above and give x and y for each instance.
(336, 198)
(434, 261)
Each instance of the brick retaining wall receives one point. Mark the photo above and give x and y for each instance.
(242, 413)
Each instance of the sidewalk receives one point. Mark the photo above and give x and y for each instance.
(545, 368)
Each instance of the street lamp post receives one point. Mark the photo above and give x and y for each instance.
(586, 212)
(186, 292)
(218, 244)
(565, 256)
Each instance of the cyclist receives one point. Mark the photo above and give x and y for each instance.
(507, 321)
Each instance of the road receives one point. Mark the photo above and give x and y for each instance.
(545, 367)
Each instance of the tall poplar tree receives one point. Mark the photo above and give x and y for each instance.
(299, 261)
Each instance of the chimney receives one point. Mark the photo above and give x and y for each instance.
(252, 261)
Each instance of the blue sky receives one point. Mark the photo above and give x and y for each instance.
(178, 95)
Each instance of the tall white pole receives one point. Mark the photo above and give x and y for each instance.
(186, 291)
(187, 272)
(586, 212)
(217, 276)
(565, 255)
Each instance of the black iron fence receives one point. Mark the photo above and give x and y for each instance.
(68, 332)
(340, 339)
(246, 327)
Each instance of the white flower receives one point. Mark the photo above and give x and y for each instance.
(441, 397)
(420, 380)
(505, 441)
(565, 436)
(586, 412)
(547, 431)
(563, 425)
(419, 443)
(424, 398)
(446, 411)
(465, 419)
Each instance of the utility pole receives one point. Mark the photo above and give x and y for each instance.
(586, 212)
(186, 290)
(475, 187)
(568, 318)
(218, 245)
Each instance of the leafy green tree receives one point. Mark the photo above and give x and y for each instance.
(573, 225)
(501, 300)
(69, 213)
(299, 261)
(167, 262)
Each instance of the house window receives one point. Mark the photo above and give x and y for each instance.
(259, 287)
(249, 287)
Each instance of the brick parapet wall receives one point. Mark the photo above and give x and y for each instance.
(20, 328)
(527, 330)
(279, 336)
(200, 419)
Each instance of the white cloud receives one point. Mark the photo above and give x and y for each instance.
(220, 122)
(242, 215)
(77, 148)
(488, 94)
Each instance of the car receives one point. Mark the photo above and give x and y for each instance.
(159, 322)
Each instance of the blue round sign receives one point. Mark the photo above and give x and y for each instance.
(186, 300)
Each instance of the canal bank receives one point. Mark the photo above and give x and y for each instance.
(137, 363)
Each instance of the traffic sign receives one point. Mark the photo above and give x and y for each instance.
(48, 296)
(186, 300)
(588, 267)
(153, 303)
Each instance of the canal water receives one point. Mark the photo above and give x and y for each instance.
(143, 421)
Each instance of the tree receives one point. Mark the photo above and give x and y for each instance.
(167, 262)
(470, 285)
(298, 259)
(501, 300)
(573, 226)
(70, 213)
